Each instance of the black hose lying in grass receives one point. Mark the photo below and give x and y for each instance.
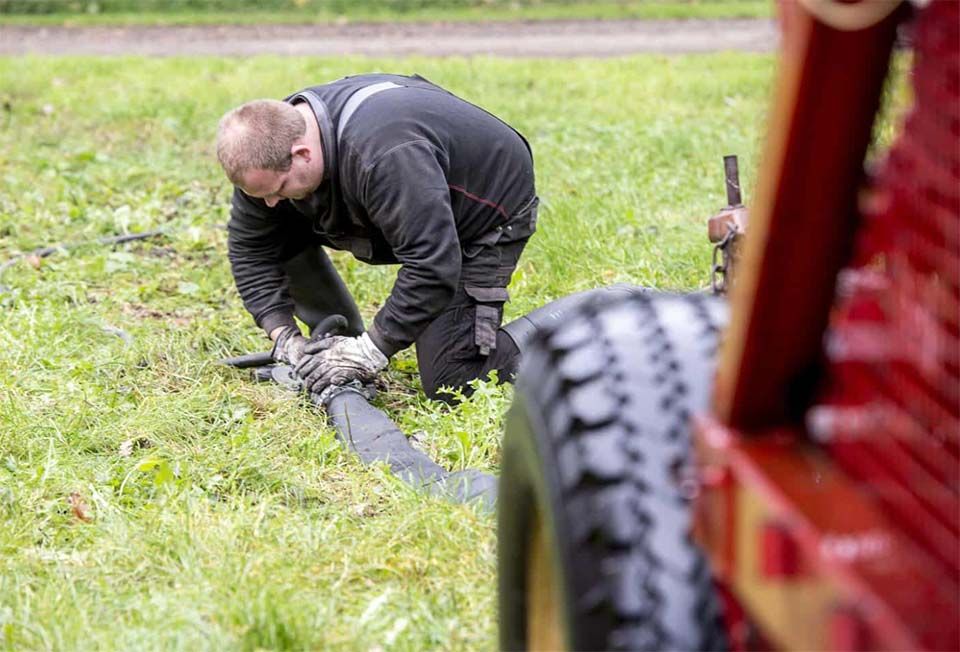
(365, 430)
(372, 435)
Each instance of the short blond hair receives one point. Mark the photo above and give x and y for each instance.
(258, 135)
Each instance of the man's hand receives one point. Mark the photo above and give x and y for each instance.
(288, 346)
(337, 360)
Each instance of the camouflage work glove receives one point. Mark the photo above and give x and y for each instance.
(337, 360)
(288, 347)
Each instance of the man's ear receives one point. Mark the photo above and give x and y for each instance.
(301, 150)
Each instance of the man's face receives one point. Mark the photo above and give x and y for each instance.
(272, 186)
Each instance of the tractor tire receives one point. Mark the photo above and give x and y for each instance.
(595, 548)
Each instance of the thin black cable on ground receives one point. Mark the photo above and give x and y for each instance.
(43, 252)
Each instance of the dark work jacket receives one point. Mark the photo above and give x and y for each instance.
(419, 177)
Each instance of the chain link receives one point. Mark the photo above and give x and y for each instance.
(720, 272)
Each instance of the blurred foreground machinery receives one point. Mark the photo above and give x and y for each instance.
(802, 494)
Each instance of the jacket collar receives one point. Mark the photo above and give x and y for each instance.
(325, 202)
(328, 141)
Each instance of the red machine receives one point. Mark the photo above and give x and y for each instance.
(820, 509)
(830, 509)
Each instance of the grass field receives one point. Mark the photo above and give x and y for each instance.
(219, 514)
(171, 12)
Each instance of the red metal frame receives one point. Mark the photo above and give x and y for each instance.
(833, 541)
(831, 460)
(804, 217)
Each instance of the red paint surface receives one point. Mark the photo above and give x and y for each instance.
(853, 350)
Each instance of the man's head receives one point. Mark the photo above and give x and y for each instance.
(268, 151)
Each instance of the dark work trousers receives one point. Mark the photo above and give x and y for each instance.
(318, 291)
(464, 342)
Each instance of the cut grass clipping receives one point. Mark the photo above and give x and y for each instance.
(151, 499)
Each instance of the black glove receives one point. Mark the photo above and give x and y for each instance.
(337, 360)
(288, 347)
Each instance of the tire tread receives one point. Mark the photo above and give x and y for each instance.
(618, 384)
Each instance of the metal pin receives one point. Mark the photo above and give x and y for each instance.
(731, 173)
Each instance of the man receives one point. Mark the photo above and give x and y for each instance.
(393, 169)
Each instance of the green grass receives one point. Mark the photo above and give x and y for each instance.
(167, 13)
(241, 525)
(223, 514)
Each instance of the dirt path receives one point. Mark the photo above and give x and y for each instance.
(594, 38)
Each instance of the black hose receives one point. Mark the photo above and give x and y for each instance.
(330, 325)
(367, 431)
(248, 361)
(371, 434)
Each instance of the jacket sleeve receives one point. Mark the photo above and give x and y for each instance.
(406, 196)
(254, 247)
